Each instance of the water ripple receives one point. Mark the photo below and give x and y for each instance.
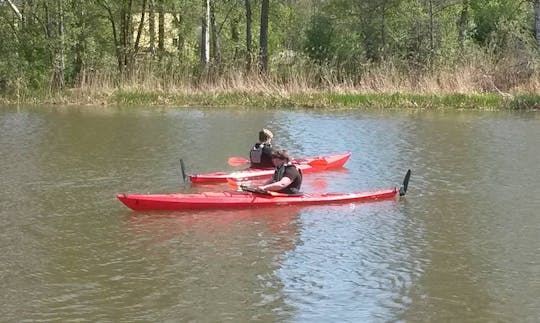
(462, 246)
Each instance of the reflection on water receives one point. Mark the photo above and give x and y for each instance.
(213, 257)
(357, 259)
(462, 246)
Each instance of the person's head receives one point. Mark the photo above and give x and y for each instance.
(265, 135)
(280, 157)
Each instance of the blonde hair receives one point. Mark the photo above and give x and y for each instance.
(265, 134)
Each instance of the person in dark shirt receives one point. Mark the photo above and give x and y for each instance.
(261, 154)
(287, 177)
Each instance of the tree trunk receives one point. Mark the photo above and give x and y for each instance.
(249, 54)
(462, 24)
(216, 51)
(179, 21)
(383, 16)
(161, 29)
(59, 64)
(140, 29)
(15, 9)
(263, 39)
(431, 42)
(537, 21)
(235, 37)
(205, 34)
(55, 35)
(125, 17)
(152, 27)
(120, 17)
(80, 45)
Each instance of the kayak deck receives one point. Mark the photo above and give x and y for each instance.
(234, 199)
(307, 165)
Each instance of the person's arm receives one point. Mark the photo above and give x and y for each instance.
(276, 186)
(270, 180)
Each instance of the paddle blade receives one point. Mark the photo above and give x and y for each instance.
(403, 188)
(318, 163)
(183, 170)
(233, 184)
(237, 161)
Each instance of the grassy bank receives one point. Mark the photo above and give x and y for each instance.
(462, 87)
(283, 99)
(330, 100)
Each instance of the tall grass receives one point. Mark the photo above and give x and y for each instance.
(477, 82)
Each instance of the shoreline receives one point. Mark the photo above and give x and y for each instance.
(327, 100)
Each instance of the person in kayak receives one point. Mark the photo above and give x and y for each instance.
(287, 177)
(261, 154)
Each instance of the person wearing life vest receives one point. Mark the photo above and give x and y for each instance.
(261, 154)
(287, 177)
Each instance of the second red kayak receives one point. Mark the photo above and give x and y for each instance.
(307, 165)
(234, 199)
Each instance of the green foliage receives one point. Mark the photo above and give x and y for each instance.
(496, 20)
(525, 101)
(325, 41)
(487, 14)
(319, 39)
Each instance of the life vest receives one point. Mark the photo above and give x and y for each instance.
(294, 187)
(256, 155)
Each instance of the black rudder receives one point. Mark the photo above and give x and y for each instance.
(403, 188)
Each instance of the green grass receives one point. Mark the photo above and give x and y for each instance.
(290, 100)
(135, 97)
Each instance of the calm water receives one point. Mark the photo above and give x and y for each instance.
(463, 246)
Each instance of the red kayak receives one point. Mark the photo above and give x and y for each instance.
(307, 165)
(242, 199)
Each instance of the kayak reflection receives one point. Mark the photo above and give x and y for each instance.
(279, 225)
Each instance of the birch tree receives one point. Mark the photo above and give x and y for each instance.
(205, 34)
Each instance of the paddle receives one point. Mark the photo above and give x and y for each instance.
(319, 163)
(237, 161)
(256, 190)
(183, 170)
(403, 188)
(234, 185)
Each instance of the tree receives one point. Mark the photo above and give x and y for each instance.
(537, 22)
(216, 48)
(462, 24)
(152, 27)
(319, 39)
(15, 9)
(205, 34)
(161, 29)
(249, 54)
(263, 39)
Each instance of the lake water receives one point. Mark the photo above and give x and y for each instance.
(462, 246)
